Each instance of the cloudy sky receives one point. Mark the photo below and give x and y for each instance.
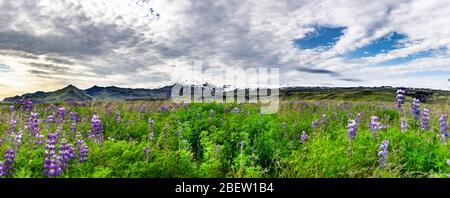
(46, 44)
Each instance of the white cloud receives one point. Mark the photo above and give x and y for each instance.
(113, 42)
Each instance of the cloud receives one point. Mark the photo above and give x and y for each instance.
(115, 42)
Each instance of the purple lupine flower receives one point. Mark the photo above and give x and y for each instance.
(52, 162)
(12, 125)
(1, 169)
(73, 116)
(315, 124)
(21, 103)
(142, 108)
(425, 119)
(51, 118)
(374, 126)
(443, 126)
(304, 137)
(118, 118)
(352, 127)
(400, 99)
(35, 129)
(11, 109)
(8, 166)
(61, 114)
(164, 108)
(323, 120)
(383, 153)
(403, 124)
(415, 109)
(151, 125)
(82, 148)
(66, 152)
(97, 129)
(29, 105)
(358, 118)
(236, 110)
(109, 109)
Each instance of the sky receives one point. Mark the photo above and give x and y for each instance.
(46, 45)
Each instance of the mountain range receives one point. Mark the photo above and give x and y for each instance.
(113, 93)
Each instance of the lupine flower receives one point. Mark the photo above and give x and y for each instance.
(443, 126)
(8, 167)
(83, 149)
(21, 104)
(352, 127)
(66, 153)
(147, 151)
(400, 99)
(12, 125)
(304, 137)
(415, 108)
(97, 129)
(374, 126)
(236, 110)
(118, 118)
(51, 118)
(383, 153)
(109, 109)
(61, 114)
(323, 121)
(11, 109)
(142, 109)
(1, 170)
(164, 108)
(358, 118)
(315, 124)
(73, 116)
(425, 119)
(403, 124)
(29, 105)
(52, 162)
(35, 129)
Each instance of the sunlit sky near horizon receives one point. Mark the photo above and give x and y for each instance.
(46, 45)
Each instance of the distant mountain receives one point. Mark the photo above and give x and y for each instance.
(72, 93)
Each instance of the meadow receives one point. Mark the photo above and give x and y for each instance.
(160, 139)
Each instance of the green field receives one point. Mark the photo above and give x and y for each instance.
(227, 140)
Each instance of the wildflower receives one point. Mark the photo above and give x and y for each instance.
(51, 118)
(8, 168)
(315, 124)
(97, 129)
(403, 124)
(425, 119)
(109, 109)
(323, 121)
(142, 108)
(164, 108)
(12, 125)
(303, 137)
(383, 153)
(236, 110)
(352, 128)
(211, 113)
(35, 129)
(61, 114)
(1, 169)
(415, 108)
(242, 143)
(358, 118)
(83, 150)
(400, 99)
(11, 109)
(374, 126)
(52, 162)
(66, 152)
(28, 105)
(118, 118)
(443, 126)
